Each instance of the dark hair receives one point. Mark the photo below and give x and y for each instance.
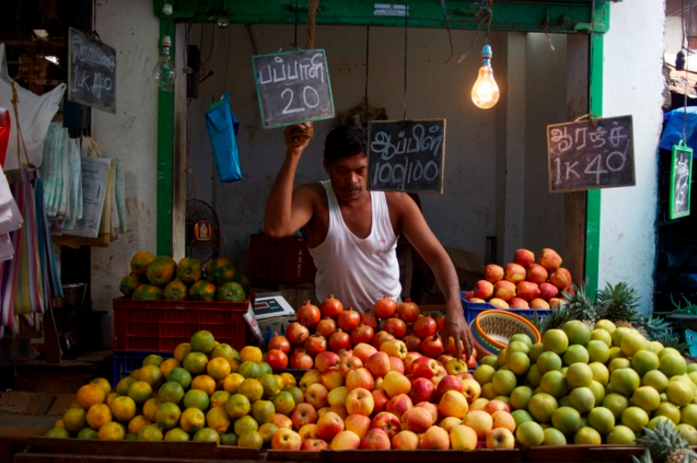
(344, 141)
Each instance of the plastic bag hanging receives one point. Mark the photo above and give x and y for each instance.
(222, 129)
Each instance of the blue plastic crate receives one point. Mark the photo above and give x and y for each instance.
(125, 361)
(472, 309)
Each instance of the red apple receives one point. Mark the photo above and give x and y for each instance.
(424, 367)
(360, 401)
(331, 378)
(282, 421)
(518, 303)
(409, 360)
(376, 439)
(360, 424)
(539, 303)
(347, 364)
(471, 389)
(548, 291)
(492, 274)
(399, 404)
(463, 437)
(396, 383)
(432, 409)
(504, 290)
(303, 414)
(388, 422)
(345, 440)
(435, 438)
(316, 395)
(561, 278)
(329, 425)
(346, 352)
(527, 290)
(397, 364)
(537, 274)
(380, 399)
(394, 348)
(308, 378)
(405, 440)
(453, 403)
(523, 257)
(286, 439)
(499, 303)
(378, 364)
(422, 390)
(380, 337)
(503, 419)
(325, 360)
(495, 405)
(314, 445)
(549, 259)
(308, 431)
(408, 311)
(514, 273)
(432, 346)
(449, 383)
(480, 421)
(417, 419)
(360, 377)
(500, 438)
(363, 351)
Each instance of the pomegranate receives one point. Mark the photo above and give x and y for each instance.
(309, 314)
(412, 342)
(277, 360)
(432, 346)
(362, 333)
(301, 360)
(408, 311)
(315, 344)
(396, 327)
(339, 340)
(348, 319)
(297, 333)
(385, 307)
(440, 321)
(331, 307)
(326, 327)
(369, 318)
(424, 327)
(279, 342)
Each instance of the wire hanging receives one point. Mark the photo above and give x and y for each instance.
(406, 42)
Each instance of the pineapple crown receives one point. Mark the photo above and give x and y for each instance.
(663, 440)
(618, 302)
(645, 458)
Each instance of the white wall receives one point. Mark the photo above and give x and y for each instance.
(632, 84)
(131, 136)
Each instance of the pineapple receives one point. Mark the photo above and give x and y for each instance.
(618, 303)
(645, 458)
(666, 445)
(576, 305)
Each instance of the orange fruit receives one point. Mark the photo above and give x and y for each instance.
(189, 270)
(111, 431)
(252, 389)
(98, 415)
(195, 363)
(110, 398)
(288, 379)
(168, 365)
(123, 409)
(196, 398)
(134, 373)
(140, 261)
(150, 408)
(129, 283)
(161, 271)
(150, 432)
(59, 423)
(192, 419)
(251, 440)
(167, 415)
(220, 270)
(296, 392)
(251, 353)
(151, 374)
(203, 341)
(140, 391)
(171, 391)
(263, 411)
(232, 382)
(123, 385)
(202, 290)
(147, 292)
(177, 435)
(136, 423)
(219, 398)
(181, 350)
(228, 439)
(181, 376)
(74, 419)
(225, 351)
(104, 383)
(87, 434)
(218, 419)
(175, 291)
(90, 394)
(207, 435)
(270, 384)
(60, 433)
(237, 406)
(245, 424)
(249, 369)
(284, 402)
(218, 368)
(204, 383)
(267, 431)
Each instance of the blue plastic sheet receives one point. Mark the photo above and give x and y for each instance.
(675, 121)
(222, 129)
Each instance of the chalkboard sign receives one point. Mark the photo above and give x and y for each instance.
(591, 154)
(406, 155)
(293, 87)
(91, 72)
(680, 181)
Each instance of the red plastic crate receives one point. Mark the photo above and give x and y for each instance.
(285, 260)
(162, 325)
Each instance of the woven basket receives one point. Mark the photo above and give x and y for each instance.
(496, 327)
(483, 348)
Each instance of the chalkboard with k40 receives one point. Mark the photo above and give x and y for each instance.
(591, 154)
(293, 87)
(406, 155)
(91, 72)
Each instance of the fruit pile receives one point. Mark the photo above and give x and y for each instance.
(160, 277)
(523, 283)
(207, 392)
(591, 384)
(393, 328)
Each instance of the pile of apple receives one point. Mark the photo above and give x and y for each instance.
(523, 283)
(369, 398)
(330, 327)
(588, 384)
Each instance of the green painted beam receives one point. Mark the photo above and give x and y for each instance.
(165, 154)
(559, 16)
(593, 199)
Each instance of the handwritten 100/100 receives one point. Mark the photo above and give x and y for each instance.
(616, 141)
(410, 170)
(87, 54)
(295, 71)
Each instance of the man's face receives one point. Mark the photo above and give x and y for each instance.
(348, 176)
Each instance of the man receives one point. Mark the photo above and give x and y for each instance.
(352, 232)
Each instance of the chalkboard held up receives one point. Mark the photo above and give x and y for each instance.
(406, 155)
(591, 154)
(293, 87)
(91, 71)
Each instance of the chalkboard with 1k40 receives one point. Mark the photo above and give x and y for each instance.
(293, 87)
(591, 154)
(406, 155)
(91, 72)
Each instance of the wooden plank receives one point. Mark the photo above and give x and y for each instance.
(556, 453)
(419, 456)
(125, 448)
(68, 458)
(238, 453)
(290, 456)
(615, 453)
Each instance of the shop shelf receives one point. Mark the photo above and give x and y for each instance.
(160, 326)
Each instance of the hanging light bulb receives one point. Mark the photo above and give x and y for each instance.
(163, 73)
(223, 21)
(485, 92)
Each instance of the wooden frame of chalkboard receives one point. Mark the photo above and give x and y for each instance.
(293, 87)
(406, 155)
(590, 154)
(680, 181)
(91, 71)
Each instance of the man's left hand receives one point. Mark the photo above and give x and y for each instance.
(455, 326)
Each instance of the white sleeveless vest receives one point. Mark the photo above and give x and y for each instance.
(357, 271)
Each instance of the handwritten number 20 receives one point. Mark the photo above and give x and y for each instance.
(310, 99)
